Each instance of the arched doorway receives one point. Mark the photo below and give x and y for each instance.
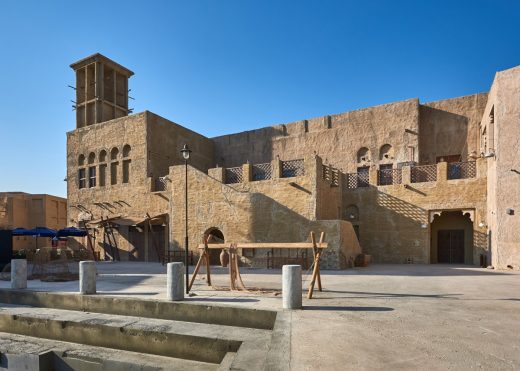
(452, 238)
(216, 236)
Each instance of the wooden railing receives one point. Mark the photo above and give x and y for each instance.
(234, 175)
(357, 180)
(462, 170)
(424, 173)
(389, 176)
(293, 168)
(262, 171)
(331, 174)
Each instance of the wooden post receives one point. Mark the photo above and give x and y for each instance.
(316, 269)
(322, 237)
(91, 245)
(197, 267)
(235, 279)
(230, 268)
(204, 256)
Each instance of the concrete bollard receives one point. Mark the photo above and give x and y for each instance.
(175, 281)
(19, 274)
(292, 286)
(87, 277)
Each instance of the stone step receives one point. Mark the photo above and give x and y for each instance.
(179, 311)
(177, 339)
(30, 353)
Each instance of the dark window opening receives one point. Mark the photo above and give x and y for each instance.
(81, 178)
(92, 176)
(102, 175)
(113, 172)
(126, 171)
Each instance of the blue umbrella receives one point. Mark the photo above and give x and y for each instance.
(71, 232)
(20, 232)
(42, 232)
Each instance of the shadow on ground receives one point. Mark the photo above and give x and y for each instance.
(348, 309)
(379, 295)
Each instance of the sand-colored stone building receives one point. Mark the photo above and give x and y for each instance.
(415, 182)
(24, 210)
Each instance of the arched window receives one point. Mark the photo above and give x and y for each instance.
(126, 164)
(113, 153)
(81, 172)
(126, 150)
(103, 156)
(91, 170)
(102, 168)
(386, 152)
(113, 165)
(91, 158)
(363, 155)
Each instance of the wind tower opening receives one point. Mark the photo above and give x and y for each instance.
(101, 90)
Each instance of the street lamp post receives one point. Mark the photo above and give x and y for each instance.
(186, 155)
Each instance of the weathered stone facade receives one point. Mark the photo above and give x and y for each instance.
(500, 142)
(406, 177)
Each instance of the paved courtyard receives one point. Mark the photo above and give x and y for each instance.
(433, 317)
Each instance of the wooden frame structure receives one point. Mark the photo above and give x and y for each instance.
(235, 279)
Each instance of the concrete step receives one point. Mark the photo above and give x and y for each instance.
(179, 311)
(29, 353)
(214, 337)
(187, 340)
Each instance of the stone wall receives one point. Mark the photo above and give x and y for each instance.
(450, 127)
(155, 145)
(394, 221)
(275, 210)
(391, 217)
(501, 122)
(336, 139)
(165, 139)
(132, 198)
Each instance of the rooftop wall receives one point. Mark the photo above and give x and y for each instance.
(450, 127)
(335, 138)
(165, 139)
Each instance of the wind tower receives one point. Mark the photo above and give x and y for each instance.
(101, 90)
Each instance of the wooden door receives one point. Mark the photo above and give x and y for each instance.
(450, 246)
(136, 239)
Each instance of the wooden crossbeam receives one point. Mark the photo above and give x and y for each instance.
(235, 279)
(316, 276)
(268, 245)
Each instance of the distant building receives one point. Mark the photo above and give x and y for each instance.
(416, 182)
(24, 210)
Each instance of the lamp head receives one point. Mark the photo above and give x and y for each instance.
(185, 151)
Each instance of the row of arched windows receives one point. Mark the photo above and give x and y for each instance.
(386, 152)
(92, 173)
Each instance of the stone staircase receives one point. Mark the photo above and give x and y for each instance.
(49, 331)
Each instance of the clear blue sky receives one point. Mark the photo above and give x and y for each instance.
(223, 66)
